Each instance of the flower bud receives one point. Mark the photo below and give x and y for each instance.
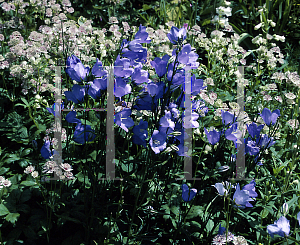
(175, 133)
(175, 148)
(285, 208)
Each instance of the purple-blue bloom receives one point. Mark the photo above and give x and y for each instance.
(123, 119)
(176, 34)
(178, 77)
(76, 70)
(188, 57)
(98, 70)
(145, 103)
(212, 136)
(96, 86)
(122, 68)
(188, 194)
(254, 130)
(142, 35)
(140, 56)
(242, 198)
(298, 217)
(121, 88)
(71, 117)
(233, 133)
(281, 227)
(251, 189)
(182, 150)
(139, 76)
(227, 117)
(221, 189)
(82, 130)
(190, 122)
(166, 120)
(77, 94)
(265, 141)
(221, 230)
(45, 150)
(52, 110)
(156, 89)
(251, 147)
(140, 133)
(269, 116)
(158, 141)
(160, 65)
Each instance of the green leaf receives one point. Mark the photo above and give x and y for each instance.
(81, 178)
(93, 155)
(195, 211)
(243, 36)
(209, 225)
(25, 102)
(25, 152)
(25, 196)
(28, 183)
(175, 210)
(127, 167)
(12, 217)
(146, 7)
(167, 211)
(3, 210)
(3, 170)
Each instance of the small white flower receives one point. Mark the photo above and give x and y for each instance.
(29, 169)
(290, 95)
(257, 26)
(66, 167)
(6, 183)
(35, 174)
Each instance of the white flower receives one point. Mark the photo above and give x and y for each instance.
(221, 189)
(224, 11)
(293, 123)
(1, 180)
(29, 169)
(35, 174)
(6, 183)
(290, 95)
(257, 26)
(67, 167)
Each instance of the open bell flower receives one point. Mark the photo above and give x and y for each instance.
(213, 136)
(158, 141)
(270, 117)
(83, 133)
(188, 194)
(77, 94)
(176, 34)
(76, 70)
(280, 227)
(123, 119)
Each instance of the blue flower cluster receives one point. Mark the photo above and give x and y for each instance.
(253, 144)
(241, 198)
(152, 93)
